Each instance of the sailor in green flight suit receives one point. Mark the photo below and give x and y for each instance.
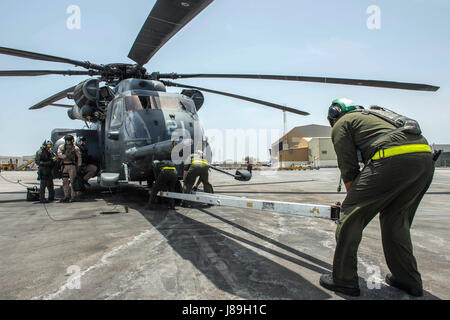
(166, 178)
(399, 169)
(46, 160)
(196, 166)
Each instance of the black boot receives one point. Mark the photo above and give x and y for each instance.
(326, 281)
(416, 292)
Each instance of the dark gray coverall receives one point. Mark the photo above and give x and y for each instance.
(392, 186)
(166, 178)
(45, 159)
(197, 168)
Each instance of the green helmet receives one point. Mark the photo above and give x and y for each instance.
(48, 143)
(339, 107)
(345, 104)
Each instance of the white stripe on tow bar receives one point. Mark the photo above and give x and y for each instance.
(301, 209)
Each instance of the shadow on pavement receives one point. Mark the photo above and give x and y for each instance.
(221, 256)
(231, 262)
(229, 265)
(324, 267)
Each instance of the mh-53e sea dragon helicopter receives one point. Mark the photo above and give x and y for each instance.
(135, 119)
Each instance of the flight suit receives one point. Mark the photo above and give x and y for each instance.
(166, 176)
(87, 168)
(45, 159)
(392, 186)
(71, 159)
(197, 168)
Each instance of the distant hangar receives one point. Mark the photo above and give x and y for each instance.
(302, 145)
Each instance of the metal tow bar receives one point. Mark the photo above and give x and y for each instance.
(302, 209)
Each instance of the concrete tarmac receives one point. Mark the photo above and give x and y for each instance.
(95, 249)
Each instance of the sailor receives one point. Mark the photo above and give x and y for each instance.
(88, 168)
(196, 166)
(46, 160)
(399, 169)
(70, 156)
(166, 178)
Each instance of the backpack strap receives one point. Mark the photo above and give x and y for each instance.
(383, 135)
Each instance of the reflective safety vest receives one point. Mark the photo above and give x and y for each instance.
(169, 168)
(394, 151)
(200, 161)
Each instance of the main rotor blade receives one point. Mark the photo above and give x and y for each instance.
(52, 99)
(25, 73)
(269, 104)
(46, 57)
(61, 105)
(354, 82)
(165, 20)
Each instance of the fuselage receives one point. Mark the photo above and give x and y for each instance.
(145, 123)
(141, 123)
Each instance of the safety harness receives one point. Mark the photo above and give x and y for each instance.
(71, 156)
(402, 124)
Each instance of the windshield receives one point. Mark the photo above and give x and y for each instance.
(135, 126)
(137, 103)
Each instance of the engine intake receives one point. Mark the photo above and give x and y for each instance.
(87, 92)
(196, 96)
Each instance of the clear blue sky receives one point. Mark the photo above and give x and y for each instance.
(320, 38)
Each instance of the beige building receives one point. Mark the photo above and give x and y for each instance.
(15, 161)
(305, 145)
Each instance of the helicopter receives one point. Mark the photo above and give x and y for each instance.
(134, 120)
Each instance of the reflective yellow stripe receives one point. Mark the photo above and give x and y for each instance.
(169, 168)
(198, 161)
(410, 148)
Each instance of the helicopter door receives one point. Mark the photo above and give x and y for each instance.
(113, 156)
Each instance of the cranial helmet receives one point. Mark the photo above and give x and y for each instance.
(339, 107)
(48, 143)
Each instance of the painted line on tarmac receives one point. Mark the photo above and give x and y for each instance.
(103, 261)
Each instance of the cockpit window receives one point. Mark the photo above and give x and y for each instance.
(116, 115)
(174, 103)
(137, 103)
(135, 126)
